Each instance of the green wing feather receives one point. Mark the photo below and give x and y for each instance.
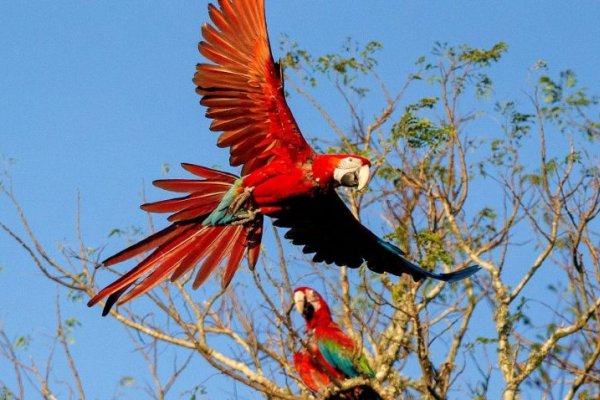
(337, 349)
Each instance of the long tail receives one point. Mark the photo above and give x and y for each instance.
(181, 246)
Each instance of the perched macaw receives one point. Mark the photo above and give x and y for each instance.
(282, 176)
(330, 347)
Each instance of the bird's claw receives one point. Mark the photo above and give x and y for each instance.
(239, 200)
(244, 217)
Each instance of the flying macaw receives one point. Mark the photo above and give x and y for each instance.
(281, 176)
(331, 349)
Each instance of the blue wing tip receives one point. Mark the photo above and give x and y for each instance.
(419, 273)
(460, 274)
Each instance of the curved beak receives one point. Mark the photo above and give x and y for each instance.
(299, 302)
(363, 177)
(355, 177)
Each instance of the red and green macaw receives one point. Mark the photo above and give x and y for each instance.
(332, 353)
(220, 218)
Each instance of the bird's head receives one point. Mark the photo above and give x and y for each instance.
(342, 170)
(311, 305)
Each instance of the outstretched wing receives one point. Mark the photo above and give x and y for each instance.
(243, 89)
(323, 225)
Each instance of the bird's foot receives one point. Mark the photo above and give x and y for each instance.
(244, 217)
(239, 200)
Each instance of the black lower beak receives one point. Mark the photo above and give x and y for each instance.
(308, 311)
(349, 179)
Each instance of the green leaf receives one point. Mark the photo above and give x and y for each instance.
(22, 342)
(126, 381)
(71, 324)
(6, 393)
(115, 232)
(485, 340)
(482, 57)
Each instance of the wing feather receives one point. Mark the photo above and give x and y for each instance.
(176, 204)
(148, 243)
(209, 173)
(243, 88)
(179, 247)
(216, 251)
(236, 253)
(195, 255)
(190, 185)
(163, 265)
(323, 225)
(339, 350)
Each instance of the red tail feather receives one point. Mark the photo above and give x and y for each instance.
(216, 253)
(163, 261)
(191, 212)
(235, 256)
(142, 268)
(151, 242)
(180, 203)
(190, 185)
(253, 243)
(179, 247)
(209, 173)
(197, 253)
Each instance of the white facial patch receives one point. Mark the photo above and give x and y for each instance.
(346, 165)
(338, 173)
(349, 163)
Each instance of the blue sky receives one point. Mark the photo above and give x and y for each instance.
(97, 95)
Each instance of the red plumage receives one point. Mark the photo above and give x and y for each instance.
(313, 370)
(221, 218)
(243, 89)
(182, 245)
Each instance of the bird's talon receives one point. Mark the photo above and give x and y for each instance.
(245, 217)
(239, 200)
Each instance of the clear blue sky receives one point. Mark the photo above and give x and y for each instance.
(95, 96)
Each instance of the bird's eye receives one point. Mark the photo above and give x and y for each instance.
(347, 162)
